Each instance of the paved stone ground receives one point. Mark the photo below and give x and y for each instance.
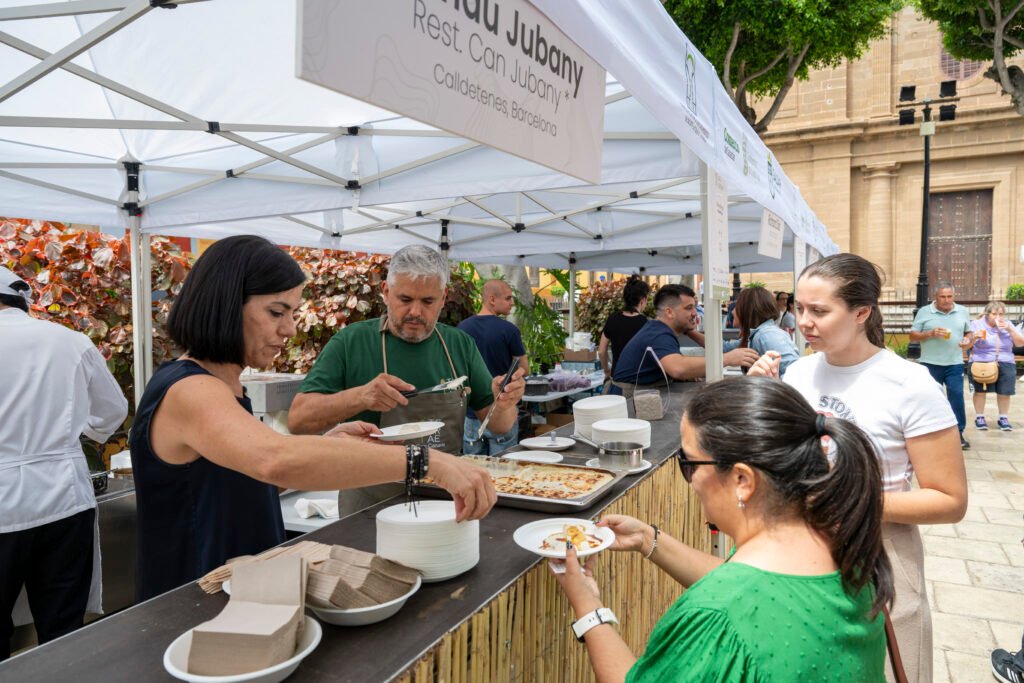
(975, 569)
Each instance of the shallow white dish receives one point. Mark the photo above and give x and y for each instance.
(176, 659)
(545, 443)
(430, 540)
(594, 462)
(534, 456)
(396, 433)
(531, 536)
(362, 616)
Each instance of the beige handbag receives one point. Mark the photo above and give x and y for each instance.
(986, 372)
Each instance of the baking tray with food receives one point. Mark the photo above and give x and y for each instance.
(540, 487)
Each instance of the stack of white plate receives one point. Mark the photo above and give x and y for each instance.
(429, 539)
(622, 429)
(590, 410)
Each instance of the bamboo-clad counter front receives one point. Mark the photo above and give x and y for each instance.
(504, 620)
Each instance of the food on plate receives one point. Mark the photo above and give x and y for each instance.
(409, 428)
(581, 540)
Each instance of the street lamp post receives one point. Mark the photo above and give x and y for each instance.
(947, 112)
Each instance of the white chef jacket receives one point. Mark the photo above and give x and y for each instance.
(54, 387)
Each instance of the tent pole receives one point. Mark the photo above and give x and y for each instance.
(712, 318)
(799, 262)
(712, 306)
(142, 295)
(572, 294)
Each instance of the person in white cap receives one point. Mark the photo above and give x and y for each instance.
(56, 387)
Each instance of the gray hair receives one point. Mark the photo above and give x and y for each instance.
(418, 261)
(993, 306)
(943, 284)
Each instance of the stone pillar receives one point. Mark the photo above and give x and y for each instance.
(875, 241)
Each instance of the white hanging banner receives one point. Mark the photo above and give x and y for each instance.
(718, 229)
(770, 242)
(501, 74)
(799, 256)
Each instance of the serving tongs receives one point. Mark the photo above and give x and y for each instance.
(450, 385)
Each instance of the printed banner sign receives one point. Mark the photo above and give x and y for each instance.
(717, 251)
(494, 71)
(772, 229)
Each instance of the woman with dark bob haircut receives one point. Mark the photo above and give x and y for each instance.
(623, 325)
(801, 597)
(206, 471)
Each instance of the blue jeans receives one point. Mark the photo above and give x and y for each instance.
(491, 443)
(952, 377)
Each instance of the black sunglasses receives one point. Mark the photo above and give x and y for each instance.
(687, 467)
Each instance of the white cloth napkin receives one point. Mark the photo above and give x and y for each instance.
(316, 507)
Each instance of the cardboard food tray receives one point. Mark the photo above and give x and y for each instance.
(536, 503)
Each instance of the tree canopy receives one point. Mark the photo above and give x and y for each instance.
(984, 30)
(761, 47)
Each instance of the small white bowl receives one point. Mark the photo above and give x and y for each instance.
(362, 616)
(176, 659)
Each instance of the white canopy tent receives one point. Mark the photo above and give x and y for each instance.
(191, 122)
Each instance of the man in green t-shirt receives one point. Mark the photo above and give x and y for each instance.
(364, 369)
(941, 328)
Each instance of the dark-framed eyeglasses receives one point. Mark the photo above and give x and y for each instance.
(687, 467)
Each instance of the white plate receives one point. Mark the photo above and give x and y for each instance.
(595, 462)
(530, 536)
(410, 430)
(362, 616)
(534, 456)
(545, 443)
(176, 659)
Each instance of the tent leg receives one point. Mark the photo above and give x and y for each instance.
(712, 305)
(142, 283)
(799, 262)
(572, 297)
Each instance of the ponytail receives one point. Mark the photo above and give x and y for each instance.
(873, 327)
(846, 506)
(779, 434)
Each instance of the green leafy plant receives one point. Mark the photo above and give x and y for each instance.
(598, 302)
(543, 334)
(898, 347)
(984, 30)
(344, 287)
(755, 283)
(761, 47)
(1015, 292)
(82, 280)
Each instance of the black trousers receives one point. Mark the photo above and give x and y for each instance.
(54, 563)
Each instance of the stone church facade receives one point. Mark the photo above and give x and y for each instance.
(838, 138)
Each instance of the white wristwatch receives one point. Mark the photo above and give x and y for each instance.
(602, 615)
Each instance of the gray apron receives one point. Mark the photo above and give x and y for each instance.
(448, 407)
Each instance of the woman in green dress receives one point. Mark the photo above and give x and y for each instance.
(801, 597)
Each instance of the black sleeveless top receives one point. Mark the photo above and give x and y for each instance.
(192, 518)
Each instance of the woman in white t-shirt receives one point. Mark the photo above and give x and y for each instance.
(902, 409)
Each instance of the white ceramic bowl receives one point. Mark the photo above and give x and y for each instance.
(176, 659)
(628, 429)
(362, 616)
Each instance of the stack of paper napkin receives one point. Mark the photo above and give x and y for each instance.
(261, 623)
(352, 578)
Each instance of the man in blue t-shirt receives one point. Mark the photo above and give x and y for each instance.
(942, 328)
(676, 308)
(499, 342)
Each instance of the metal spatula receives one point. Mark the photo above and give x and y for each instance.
(444, 386)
